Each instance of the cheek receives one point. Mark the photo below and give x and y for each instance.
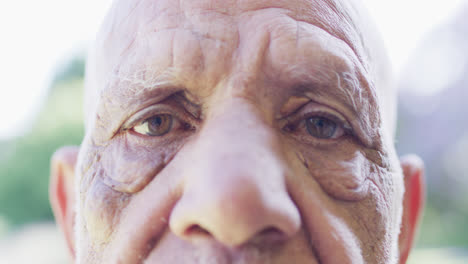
(112, 175)
(374, 220)
(102, 208)
(128, 165)
(353, 188)
(127, 168)
(343, 172)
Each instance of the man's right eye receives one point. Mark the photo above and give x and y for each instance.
(155, 126)
(323, 128)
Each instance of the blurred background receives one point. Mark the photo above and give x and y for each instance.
(42, 58)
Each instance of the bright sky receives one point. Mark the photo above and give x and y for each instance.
(37, 36)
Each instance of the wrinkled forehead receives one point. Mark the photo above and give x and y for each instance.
(129, 22)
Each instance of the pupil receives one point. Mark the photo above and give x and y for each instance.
(321, 127)
(156, 122)
(159, 125)
(320, 123)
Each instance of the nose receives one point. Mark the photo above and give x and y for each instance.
(234, 188)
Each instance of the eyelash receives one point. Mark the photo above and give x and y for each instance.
(291, 125)
(155, 110)
(298, 119)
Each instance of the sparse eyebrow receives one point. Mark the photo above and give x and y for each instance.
(144, 80)
(126, 94)
(324, 68)
(344, 86)
(344, 90)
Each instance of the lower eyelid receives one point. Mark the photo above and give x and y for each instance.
(304, 135)
(177, 124)
(149, 112)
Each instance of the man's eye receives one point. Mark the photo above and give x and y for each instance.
(157, 125)
(321, 127)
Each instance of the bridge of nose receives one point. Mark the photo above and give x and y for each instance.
(235, 186)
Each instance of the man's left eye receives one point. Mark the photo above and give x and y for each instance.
(321, 127)
(157, 125)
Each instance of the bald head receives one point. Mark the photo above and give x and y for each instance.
(240, 132)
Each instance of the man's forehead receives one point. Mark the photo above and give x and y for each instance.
(130, 22)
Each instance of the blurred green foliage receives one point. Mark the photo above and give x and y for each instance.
(24, 161)
(443, 228)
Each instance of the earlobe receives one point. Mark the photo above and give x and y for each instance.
(61, 191)
(413, 202)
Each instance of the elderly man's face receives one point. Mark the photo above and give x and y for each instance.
(236, 132)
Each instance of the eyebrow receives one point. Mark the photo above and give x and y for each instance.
(327, 68)
(126, 95)
(344, 86)
(346, 91)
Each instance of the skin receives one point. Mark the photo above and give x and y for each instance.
(239, 178)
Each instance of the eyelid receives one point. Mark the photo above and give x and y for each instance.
(313, 109)
(156, 109)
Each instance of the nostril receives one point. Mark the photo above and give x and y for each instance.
(196, 230)
(269, 235)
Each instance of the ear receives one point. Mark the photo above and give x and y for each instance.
(413, 202)
(61, 191)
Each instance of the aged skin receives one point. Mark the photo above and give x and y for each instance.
(237, 132)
